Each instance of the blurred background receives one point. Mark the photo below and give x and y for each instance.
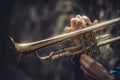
(33, 20)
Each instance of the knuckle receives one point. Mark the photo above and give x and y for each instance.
(73, 20)
(78, 16)
(81, 23)
(86, 19)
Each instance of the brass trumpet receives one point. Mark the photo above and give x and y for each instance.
(89, 42)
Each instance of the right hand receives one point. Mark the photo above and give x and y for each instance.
(78, 23)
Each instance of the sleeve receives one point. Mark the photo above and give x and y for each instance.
(115, 72)
(79, 75)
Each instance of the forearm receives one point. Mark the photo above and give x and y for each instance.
(80, 75)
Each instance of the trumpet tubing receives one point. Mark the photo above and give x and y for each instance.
(89, 42)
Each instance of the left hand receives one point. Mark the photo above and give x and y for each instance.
(93, 69)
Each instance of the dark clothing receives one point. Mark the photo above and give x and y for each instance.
(115, 72)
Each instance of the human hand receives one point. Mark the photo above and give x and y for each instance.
(79, 22)
(91, 68)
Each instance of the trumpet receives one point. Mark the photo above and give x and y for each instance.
(89, 42)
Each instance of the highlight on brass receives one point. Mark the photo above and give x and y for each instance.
(89, 42)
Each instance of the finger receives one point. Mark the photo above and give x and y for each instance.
(81, 21)
(88, 73)
(81, 24)
(87, 58)
(95, 22)
(75, 27)
(100, 65)
(88, 63)
(74, 24)
(86, 19)
(68, 29)
(93, 67)
(90, 77)
(83, 62)
(79, 17)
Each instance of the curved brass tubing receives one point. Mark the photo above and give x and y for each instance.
(22, 49)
